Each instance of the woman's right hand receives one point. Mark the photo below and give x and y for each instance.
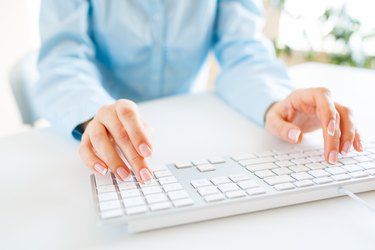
(117, 127)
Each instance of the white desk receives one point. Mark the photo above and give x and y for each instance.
(46, 200)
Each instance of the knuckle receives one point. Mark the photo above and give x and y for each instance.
(96, 135)
(127, 111)
(122, 135)
(324, 91)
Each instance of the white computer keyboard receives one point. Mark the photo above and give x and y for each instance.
(190, 191)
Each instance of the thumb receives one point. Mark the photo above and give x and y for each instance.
(284, 130)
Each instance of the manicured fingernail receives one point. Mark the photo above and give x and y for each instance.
(331, 127)
(360, 145)
(294, 134)
(122, 173)
(145, 150)
(346, 148)
(100, 169)
(145, 175)
(332, 158)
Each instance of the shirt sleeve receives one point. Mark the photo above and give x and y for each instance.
(69, 91)
(251, 77)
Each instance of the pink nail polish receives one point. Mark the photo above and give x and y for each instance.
(294, 134)
(122, 173)
(331, 127)
(332, 157)
(145, 150)
(100, 169)
(346, 148)
(145, 175)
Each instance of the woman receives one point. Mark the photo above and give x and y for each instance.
(98, 58)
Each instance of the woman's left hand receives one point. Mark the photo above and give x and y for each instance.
(305, 110)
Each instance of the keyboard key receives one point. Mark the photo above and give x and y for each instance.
(107, 205)
(352, 168)
(235, 194)
(256, 191)
(264, 154)
(154, 198)
(239, 177)
(106, 188)
(216, 160)
(200, 183)
(247, 184)
(160, 206)
(101, 180)
(153, 183)
(127, 185)
(367, 165)
(300, 161)
(220, 180)
(299, 168)
(283, 157)
(151, 190)
(304, 183)
(278, 179)
(284, 163)
(264, 173)
(286, 151)
(299, 156)
(214, 197)
(347, 161)
(322, 180)
(282, 171)
(301, 176)
(130, 193)
(162, 173)
(167, 180)
(326, 164)
(183, 202)
(136, 210)
(186, 164)
(200, 162)
(175, 195)
(172, 187)
(263, 166)
(358, 174)
(107, 196)
(228, 187)
(362, 158)
(206, 167)
(371, 171)
(341, 177)
(256, 161)
(319, 173)
(207, 190)
(315, 166)
(335, 170)
(111, 214)
(131, 202)
(284, 186)
(243, 157)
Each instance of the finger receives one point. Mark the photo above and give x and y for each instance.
(90, 159)
(106, 151)
(332, 142)
(357, 143)
(347, 128)
(283, 129)
(122, 140)
(128, 116)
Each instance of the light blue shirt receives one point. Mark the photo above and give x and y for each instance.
(96, 51)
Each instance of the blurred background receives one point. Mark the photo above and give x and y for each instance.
(335, 31)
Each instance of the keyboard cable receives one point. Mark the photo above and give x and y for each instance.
(356, 198)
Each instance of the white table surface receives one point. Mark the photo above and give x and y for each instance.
(46, 200)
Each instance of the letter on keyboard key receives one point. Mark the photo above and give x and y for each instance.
(167, 180)
(264, 173)
(304, 183)
(135, 201)
(278, 179)
(136, 210)
(172, 187)
(323, 180)
(160, 206)
(214, 197)
(200, 183)
(256, 191)
(235, 194)
(358, 174)
(101, 180)
(341, 177)
(247, 184)
(107, 205)
(183, 202)
(111, 214)
(262, 166)
(107, 196)
(284, 186)
(176, 195)
(153, 198)
(220, 180)
(207, 190)
(206, 167)
(228, 187)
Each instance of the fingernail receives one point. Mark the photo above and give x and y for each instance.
(145, 150)
(332, 158)
(331, 127)
(100, 169)
(360, 145)
(145, 175)
(346, 148)
(122, 173)
(294, 134)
